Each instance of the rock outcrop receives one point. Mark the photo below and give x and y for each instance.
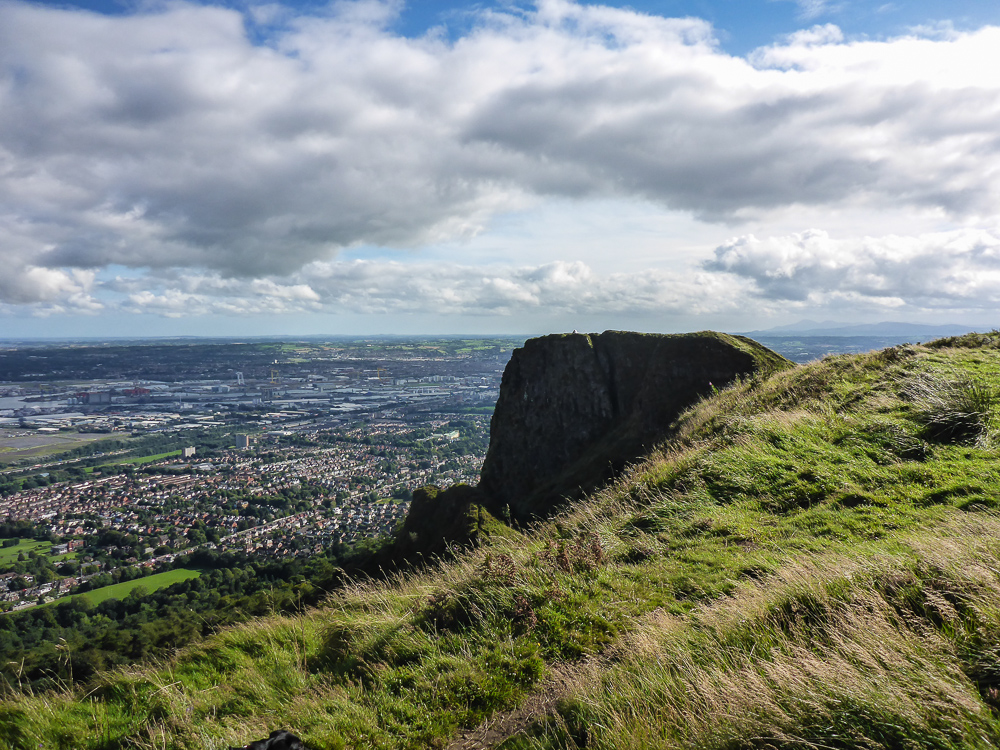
(575, 408)
(439, 519)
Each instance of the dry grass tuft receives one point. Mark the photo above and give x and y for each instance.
(826, 654)
(954, 410)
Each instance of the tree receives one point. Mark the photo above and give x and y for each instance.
(196, 536)
(45, 575)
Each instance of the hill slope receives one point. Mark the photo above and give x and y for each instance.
(811, 562)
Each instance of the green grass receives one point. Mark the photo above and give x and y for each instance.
(803, 566)
(888, 650)
(149, 459)
(8, 555)
(136, 461)
(149, 584)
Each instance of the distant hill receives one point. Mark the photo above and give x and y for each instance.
(915, 331)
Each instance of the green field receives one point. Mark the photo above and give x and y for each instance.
(137, 461)
(9, 555)
(149, 459)
(150, 584)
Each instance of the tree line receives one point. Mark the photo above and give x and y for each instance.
(70, 641)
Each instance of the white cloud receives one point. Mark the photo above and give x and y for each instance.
(813, 8)
(809, 9)
(167, 140)
(958, 270)
(381, 287)
(821, 34)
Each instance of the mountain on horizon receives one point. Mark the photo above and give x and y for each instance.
(886, 328)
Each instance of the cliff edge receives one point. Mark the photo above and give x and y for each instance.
(575, 408)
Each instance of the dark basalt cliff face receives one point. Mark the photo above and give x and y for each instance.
(575, 408)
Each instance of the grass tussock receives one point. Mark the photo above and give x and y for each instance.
(960, 410)
(805, 565)
(889, 652)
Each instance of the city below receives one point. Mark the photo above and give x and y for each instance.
(266, 449)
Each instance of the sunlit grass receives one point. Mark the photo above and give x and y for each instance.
(895, 649)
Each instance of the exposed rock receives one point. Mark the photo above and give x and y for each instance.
(279, 739)
(575, 408)
(439, 519)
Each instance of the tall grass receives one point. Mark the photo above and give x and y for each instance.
(956, 410)
(895, 651)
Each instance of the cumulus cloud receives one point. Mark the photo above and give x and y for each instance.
(957, 270)
(168, 139)
(385, 287)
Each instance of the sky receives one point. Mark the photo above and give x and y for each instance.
(373, 166)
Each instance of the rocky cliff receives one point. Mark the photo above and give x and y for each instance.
(440, 518)
(575, 408)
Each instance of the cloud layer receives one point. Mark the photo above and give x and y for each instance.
(958, 270)
(168, 142)
(387, 287)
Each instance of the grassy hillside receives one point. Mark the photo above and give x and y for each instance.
(814, 562)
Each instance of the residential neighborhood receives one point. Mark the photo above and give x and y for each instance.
(276, 502)
(104, 480)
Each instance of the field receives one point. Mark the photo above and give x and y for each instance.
(135, 461)
(149, 584)
(9, 555)
(19, 444)
(148, 459)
